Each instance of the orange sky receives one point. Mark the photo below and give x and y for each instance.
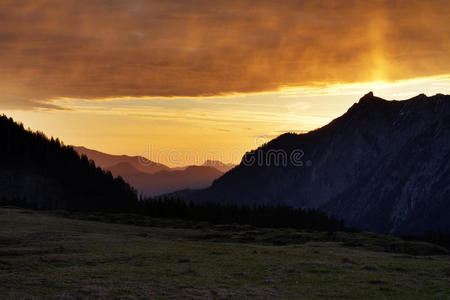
(210, 76)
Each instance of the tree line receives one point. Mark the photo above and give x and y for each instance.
(258, 216)
(44, 173)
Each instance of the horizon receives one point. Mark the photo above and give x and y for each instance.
(174, 157)
(211, 78)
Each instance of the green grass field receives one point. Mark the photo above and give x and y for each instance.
(90, 256)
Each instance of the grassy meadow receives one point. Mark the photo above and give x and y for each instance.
(60, 255)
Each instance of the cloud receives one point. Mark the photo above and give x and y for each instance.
(96, 49)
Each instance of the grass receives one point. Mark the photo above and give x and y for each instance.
(92, 256)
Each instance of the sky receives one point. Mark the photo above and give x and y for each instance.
(184, 81)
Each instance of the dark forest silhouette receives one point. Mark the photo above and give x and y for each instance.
(259, 216)
(44, 173)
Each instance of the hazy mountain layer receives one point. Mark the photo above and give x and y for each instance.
(106, 161)
(193, 177)
(152, 179)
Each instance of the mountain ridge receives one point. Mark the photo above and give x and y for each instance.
(154, 179)
(167, 181)
(360, 166)
(221, 166)
(106, 160)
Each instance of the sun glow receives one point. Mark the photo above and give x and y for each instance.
(214, 127)
(120, 76)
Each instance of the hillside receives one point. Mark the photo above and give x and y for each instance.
(43, 173)
(153, 179)
(222, 167)
(383, 166)
(106, 161)
(51, 256)
(163, 182)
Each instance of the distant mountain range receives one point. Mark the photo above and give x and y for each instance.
(222, 167)
(108, 161)
(153, 179)
(383, 166)
(163, 182)
(217, 164)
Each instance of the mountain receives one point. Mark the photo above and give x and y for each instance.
(43, 173)
(124, 169)
(106, 161)
(163, 182)
(383, 166)
(222, 167)
(217, 164)
(136, 170)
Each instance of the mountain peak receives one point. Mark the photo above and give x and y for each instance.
(420, 97)
(353, 161)
(369, 97)
(221, 166)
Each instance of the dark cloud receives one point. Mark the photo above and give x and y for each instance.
(96, 49)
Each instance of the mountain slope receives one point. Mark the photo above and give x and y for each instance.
(193, 177)
(106, 161)
(383, 166)
(124, 169)
(153, 179)
(222, 167)
(43, 173)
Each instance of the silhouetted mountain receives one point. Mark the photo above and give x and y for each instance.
(222, 167)
(43, 173)
(193, 177)
(383, 166)
(106, 161)
(136, 170)
(123, 169)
